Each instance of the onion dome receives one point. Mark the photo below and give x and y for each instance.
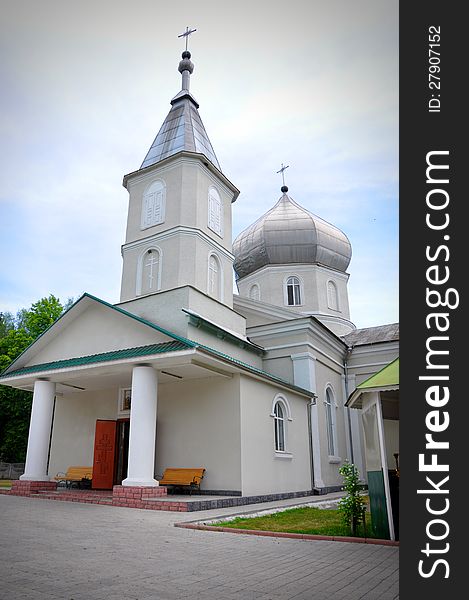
(290, 234)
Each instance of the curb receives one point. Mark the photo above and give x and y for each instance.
(294, 536)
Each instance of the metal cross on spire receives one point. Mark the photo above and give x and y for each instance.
(187, 33)
(282, 172)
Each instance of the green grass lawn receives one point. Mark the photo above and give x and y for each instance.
(301, 520)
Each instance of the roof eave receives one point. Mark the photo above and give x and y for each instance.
(89, 297)
(27, 378)
(185, 153)
(355, 401)
(221, 332)
(255, 372)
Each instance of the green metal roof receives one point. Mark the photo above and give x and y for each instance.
(149, 350)
(199, 321)
(179, 343)
(383, 381)
(103, 357)
(170, 334)
(389, 376)
(240, 363)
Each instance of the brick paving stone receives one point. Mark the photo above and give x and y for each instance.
(129, 554)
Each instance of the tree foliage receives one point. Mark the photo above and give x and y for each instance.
(16, 334)
(41, 315)
(15, 411)
(7, 322)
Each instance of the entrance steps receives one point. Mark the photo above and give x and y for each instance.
(77, 495)
(147, 498)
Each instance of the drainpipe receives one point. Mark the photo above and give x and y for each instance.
(311, 403)
(347, 354)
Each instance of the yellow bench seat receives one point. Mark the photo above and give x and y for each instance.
(75, 474)
(183, 477)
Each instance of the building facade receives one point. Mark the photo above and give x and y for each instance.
(184, 373)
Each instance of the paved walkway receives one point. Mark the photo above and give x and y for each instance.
(71, 551)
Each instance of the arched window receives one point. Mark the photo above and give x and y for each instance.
(281, 415)
(154, 204)
(215, 211)
(149, 271)
(255, 292)
(332, 296)
(279, 426)
(293, 291)
(330, 422)
(214, 277)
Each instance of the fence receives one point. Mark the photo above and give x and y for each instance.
(11, 470)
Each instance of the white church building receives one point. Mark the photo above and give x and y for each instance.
(181, 372)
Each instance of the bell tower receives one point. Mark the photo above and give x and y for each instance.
(178, 245)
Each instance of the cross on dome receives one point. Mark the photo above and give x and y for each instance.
(282, 171)
(186, 34)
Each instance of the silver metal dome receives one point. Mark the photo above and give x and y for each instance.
(287, 234)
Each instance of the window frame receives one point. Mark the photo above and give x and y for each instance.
(215, 211)
(279, 427)
(145, 221)
(332, 297)
(124, 405)
(298, 284)
(216, 258)
(330, 406)
(255, 286)
(281, 402)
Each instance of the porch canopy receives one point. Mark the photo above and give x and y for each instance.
(97, 346)
(386, 382)
(378, 399)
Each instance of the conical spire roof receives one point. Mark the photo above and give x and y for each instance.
(183, 128)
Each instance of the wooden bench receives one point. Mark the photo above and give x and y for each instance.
(75, 475)
(183, 478)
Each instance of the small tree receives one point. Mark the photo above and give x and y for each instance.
(352, 506)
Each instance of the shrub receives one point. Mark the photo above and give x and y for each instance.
(352, 506)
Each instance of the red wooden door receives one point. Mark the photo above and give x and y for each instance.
(104, 453)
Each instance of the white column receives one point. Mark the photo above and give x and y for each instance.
(39, 431)
(304, 375)
(141, 465)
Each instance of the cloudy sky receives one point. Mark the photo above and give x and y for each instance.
(86, 86)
